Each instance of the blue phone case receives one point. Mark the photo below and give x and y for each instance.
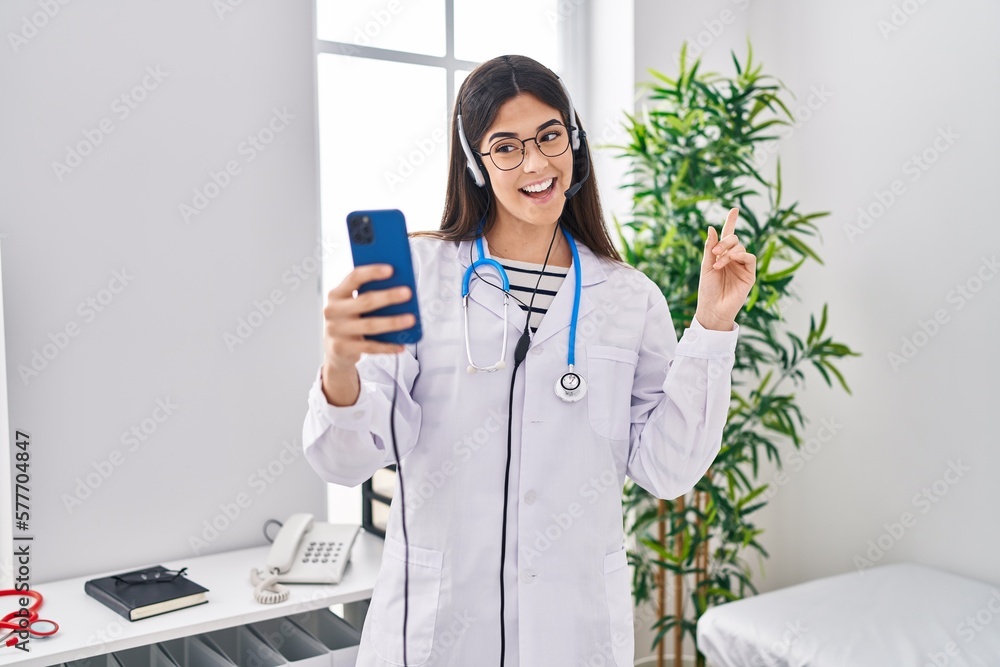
(379, 237)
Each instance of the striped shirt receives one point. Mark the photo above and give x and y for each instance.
(523, 276)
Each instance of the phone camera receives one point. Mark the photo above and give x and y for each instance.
(360, 227)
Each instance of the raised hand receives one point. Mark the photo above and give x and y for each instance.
(728, 272)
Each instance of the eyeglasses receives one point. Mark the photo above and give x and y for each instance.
(508, 153)
(150, 576)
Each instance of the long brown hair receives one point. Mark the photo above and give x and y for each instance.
(480, 97)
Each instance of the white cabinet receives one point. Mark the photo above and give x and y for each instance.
(88, 629)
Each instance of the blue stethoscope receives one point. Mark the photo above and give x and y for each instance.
(571, 386)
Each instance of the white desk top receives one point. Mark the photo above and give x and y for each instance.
(87, 628)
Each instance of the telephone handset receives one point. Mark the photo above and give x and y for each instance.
(304, 552)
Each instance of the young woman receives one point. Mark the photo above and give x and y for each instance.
(512, 551)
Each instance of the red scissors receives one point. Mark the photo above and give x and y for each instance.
(26, 621)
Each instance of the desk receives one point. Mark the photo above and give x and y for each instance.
(87, 628)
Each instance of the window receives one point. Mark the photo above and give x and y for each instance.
(387, 72)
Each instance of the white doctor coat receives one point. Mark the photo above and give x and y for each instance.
(654, 410)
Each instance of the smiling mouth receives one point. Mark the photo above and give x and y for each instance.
(539, 190)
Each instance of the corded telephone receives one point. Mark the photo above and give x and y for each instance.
(304, 552)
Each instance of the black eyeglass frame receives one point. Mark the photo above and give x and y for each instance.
(570, 129)
(149, 576)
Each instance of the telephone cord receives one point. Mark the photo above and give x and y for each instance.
(267, 590)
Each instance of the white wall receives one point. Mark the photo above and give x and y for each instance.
(196, 84)
(881, 97)
(920, 93)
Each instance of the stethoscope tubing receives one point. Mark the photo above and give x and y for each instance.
(505, 282)
(31, 618)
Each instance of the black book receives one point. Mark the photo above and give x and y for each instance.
(147, 592)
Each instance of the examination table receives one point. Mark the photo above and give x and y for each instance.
(903, 615)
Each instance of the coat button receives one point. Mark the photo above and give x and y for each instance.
(530, 497)
(527, 576)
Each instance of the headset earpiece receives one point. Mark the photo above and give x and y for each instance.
(574, 135)
(471, 162)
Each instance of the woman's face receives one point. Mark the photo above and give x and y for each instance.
(524, 117)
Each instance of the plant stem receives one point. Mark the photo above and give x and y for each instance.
(679, 587)
(661, 584)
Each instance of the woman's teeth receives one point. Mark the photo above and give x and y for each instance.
(538, 188)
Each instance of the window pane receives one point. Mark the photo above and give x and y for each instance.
(485, 29)
(460, 75)
(376, 152)
(416, 26)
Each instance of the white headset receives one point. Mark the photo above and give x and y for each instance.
(476, 172)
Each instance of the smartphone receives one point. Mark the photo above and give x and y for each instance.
(379, 237)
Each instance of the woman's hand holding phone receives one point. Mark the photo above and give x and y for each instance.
(345, 329)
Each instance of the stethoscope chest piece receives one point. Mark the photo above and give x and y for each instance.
(571, 387)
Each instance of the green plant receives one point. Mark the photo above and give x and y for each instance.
(694, 147)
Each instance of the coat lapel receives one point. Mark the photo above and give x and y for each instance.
(559, 315)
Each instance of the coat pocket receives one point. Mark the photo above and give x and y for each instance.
(611, 371)
(618, 587)
(386, 608)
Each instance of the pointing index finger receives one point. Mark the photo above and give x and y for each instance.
(730, 225)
